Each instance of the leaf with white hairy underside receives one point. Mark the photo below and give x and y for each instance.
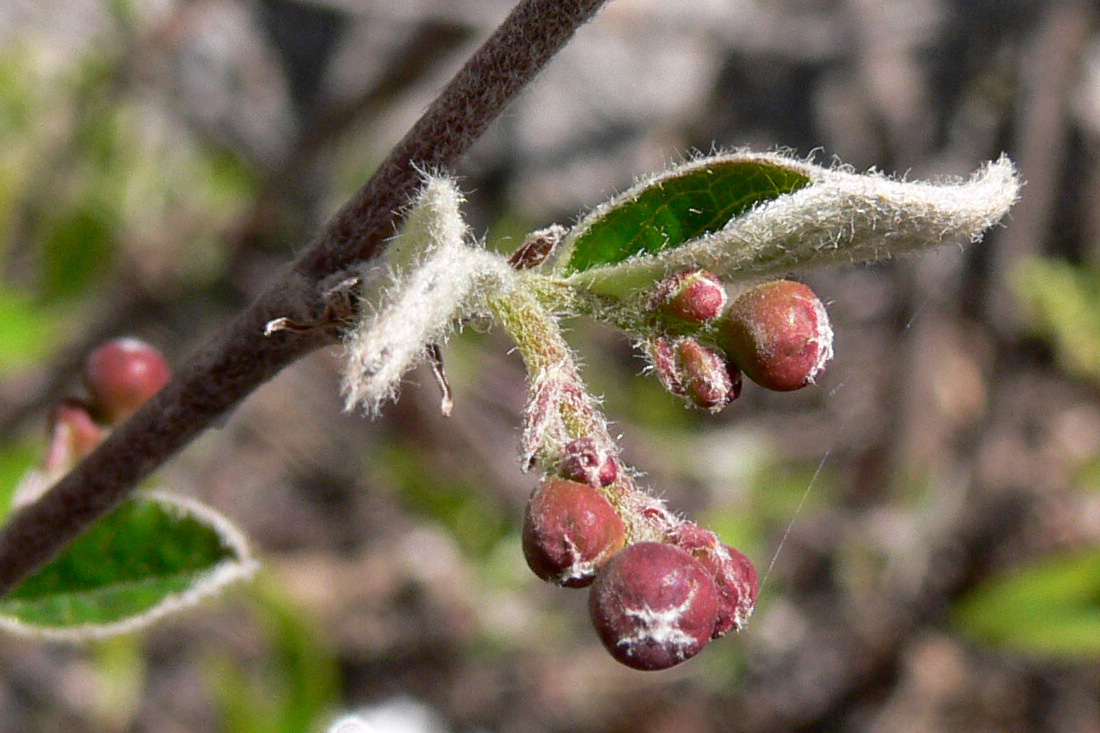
(155, 555)
(837, 217)
(436, 280)
(676, 206)
(434, 219)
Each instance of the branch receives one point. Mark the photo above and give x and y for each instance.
(132, 301)
(242, 358)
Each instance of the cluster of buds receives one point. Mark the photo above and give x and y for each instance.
(777, 334)
(119, 377)
(662, 587)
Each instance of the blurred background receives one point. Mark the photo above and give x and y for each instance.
(928, 517)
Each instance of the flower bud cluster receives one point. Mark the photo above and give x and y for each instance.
(661, 588)
(777, 334)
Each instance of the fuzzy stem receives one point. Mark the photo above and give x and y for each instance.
(561, 409)
(550, 366)
(242, 358)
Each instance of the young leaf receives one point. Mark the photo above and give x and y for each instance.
(838, 217)
(679, 205)
(436, 280)
(1050, 609)
(153, 555)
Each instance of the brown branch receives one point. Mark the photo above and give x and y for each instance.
(131, 301)
(242, 358)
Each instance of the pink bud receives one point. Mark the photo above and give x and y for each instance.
(73, 435)
(710, 380)
(569, 530)
(778, 334)
(695, 296)
(122, 374)
(734, 575)
(666, 364)
(653, 606)
(585, 461)
(699, 374)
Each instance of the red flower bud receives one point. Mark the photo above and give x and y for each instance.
(778, 334)
(122, 374)
(710, 380)
(585, 461)
(734, 575)
(666, 364)
(699, 374)
(569, 530)
(695, 296)
(653, 606)
(738, 584)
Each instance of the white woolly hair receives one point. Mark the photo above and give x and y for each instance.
(435, 279)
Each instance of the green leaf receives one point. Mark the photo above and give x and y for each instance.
(1049, 609)
(153, 555)
(679, 206)
(840, 217)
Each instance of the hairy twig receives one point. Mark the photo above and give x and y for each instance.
(241, 358)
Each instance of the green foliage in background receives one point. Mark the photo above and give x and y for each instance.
(457, 502)
(16, 459)
(93, 181)
(1048, 609)
(1063, 303)
(293, 688)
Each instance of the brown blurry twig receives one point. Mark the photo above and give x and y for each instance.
(241, 358)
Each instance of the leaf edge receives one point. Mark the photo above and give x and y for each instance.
(207, 584)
